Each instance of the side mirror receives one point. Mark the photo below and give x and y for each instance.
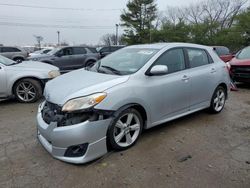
(158, 70)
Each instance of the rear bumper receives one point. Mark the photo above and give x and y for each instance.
(56, 140)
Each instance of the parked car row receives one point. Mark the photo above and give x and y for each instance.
(69, 58)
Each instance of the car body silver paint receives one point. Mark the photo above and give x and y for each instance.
(10, 74)
(80, 83)
(164, 98)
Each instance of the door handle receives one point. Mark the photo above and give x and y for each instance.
(185, 78)
(213, 70)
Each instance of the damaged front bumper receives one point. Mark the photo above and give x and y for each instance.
(73, 143)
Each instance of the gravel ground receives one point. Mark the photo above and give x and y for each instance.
(200, 150)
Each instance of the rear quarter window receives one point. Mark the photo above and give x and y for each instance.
(197, 57)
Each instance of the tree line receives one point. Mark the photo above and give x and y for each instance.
(210, 22)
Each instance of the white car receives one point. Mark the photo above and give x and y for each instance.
(39, 52)
(24, 81)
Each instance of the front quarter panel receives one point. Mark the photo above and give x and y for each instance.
(15, 75)
(123, 95)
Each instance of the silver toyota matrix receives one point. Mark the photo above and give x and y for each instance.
(89, 111)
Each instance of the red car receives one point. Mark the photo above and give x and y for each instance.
(224, 53)
(240, 66)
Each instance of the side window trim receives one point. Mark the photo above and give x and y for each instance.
(185, 60)
(209, 58)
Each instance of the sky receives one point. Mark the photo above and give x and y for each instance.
(79, 21)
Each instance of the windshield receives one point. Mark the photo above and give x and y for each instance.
(6, 61)
(125, 61)
(244, 54)
(52, 52)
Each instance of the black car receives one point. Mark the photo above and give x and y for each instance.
(106, 50)
(69, 58)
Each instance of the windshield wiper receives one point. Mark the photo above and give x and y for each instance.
(111, 69)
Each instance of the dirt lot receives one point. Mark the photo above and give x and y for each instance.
(218, 145)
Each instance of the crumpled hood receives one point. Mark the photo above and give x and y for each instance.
(79, 83)
(34, 65)
(240, 62)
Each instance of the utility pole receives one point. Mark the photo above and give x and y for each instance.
(39, 39)
(116, 36)
(58, 38)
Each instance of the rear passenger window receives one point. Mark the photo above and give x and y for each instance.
(197, 57)
(79, 50)
(173, 59)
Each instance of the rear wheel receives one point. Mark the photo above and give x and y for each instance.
(218, 100)
(18, 59)
(27, 90)
(125, 129)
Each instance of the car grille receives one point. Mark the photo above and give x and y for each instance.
(240, 71)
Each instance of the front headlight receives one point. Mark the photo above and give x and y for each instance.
(83, 102)
(54, 73)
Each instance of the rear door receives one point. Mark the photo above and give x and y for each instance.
(202, 77)
(80, 55)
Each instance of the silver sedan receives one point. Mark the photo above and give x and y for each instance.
(87, 112)
(24, 80)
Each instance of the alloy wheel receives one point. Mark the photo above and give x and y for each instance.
(219, 100)
(26, 91)
(127, 130)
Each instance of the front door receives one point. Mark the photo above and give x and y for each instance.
(169, 93)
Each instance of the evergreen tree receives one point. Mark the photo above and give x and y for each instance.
(138, 21)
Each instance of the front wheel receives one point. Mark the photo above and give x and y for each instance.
(125, 129)
(90, 64)
(218, 100)
(27, 90)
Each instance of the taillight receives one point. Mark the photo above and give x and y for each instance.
(228, 66)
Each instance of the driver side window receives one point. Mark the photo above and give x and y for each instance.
(173, 59)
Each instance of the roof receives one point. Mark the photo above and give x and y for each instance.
(170, 44)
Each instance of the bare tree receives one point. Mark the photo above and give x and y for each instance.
(222, 12)
(110, 39)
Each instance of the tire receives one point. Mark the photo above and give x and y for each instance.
(90, 63)
(218, 100)
(27, 90)
(18, 59)
(122, 135)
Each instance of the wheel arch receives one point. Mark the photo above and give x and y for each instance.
(28, 77)
(225, 87)
(137, 107)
